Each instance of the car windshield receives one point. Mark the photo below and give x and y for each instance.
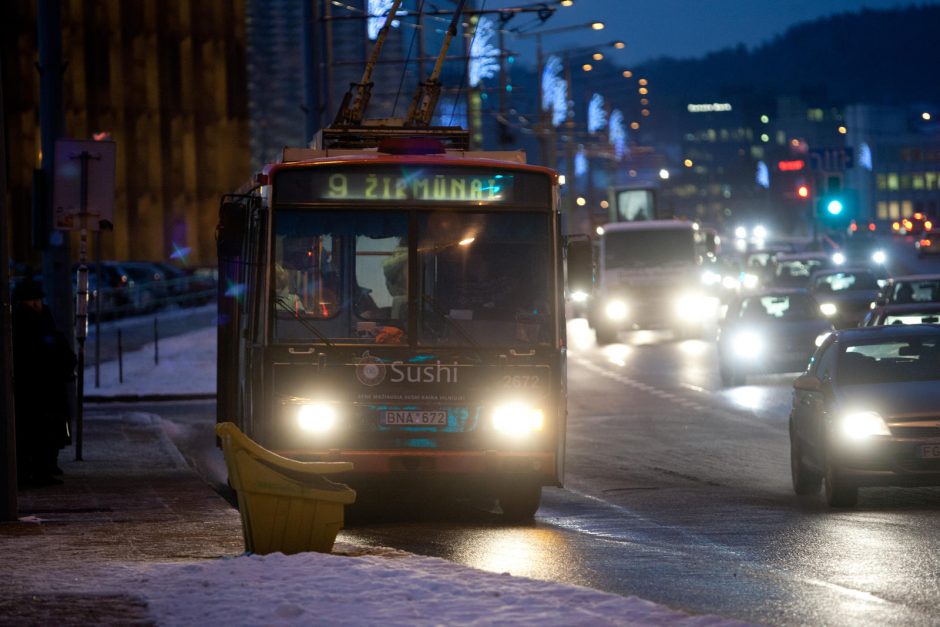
(780, 307)
(483, 278)
(914, 359)
(648, 247)
(797, 269)
(913, 318)
(845, 281)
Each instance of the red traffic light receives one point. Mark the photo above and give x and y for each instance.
(803, 191)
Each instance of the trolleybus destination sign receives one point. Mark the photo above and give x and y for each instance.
(382, 184)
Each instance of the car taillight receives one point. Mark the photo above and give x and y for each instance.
(925, 242)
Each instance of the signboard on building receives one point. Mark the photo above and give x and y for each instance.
(831, 159)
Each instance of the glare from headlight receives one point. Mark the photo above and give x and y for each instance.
(879, 256)
(740, 232)
(691, 306)
(862, 425)
(747, 344)
(759, 232)
(821, 338)
(838, 259)
(616, 310)
(579, 296)
(729, 283)
(828, 309)
(316, 418)
(751, 281)
(710, 278)
(518, 419)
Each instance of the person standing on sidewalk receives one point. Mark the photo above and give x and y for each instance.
(43, 365)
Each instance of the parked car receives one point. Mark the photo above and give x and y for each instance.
(866, 412)
(911, 313)
(845, 295)
(769, 331)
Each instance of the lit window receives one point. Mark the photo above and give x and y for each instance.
(893, 180)
(883, 210)
(907, 207)
(894, 210)
(905, 181)
(882, 181)
(917, 180)
(930, 180)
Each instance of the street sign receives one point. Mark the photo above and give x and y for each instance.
(831, 159)
(84, 184)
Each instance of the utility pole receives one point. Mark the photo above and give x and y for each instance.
(8, 504)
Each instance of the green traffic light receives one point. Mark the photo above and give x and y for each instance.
(834, 207)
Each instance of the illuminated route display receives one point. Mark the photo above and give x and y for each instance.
(395, 183)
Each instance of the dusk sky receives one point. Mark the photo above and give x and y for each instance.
(680, 28)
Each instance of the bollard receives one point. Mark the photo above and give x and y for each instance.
(156, 343)
(120, 359)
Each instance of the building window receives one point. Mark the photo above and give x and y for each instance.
(781, 137)
(907, 207)
(894, 210)
(882, 210)
(893, 180)
(814, 115)
(930, 180)
(905, 181)
(917, 180)
(882, 181)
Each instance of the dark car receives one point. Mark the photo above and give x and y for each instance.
(867, 412)
(863, 249)
(769, 331)
(912, 313)
(845, 295)
(914, 288)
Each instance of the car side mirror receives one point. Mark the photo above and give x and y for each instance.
(580, 264)
(808, 383)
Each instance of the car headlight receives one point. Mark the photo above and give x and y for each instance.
(747, 345)
(710, 277)
(828, 309)
(616, 309)
(750, 281)
(518, 419)
(838, 259)
(729, 283)
(316, 417)
(693, 306)
(862, 425)
(879, 257)
(579, 296)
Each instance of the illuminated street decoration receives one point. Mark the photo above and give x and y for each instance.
(378, 9)
(763, 175)
(709, 107)
(864, 156)
(580, 162)
(617, 133)
(597, 115)
(484, 56)
(554, 90)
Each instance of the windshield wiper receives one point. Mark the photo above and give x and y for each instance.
(285, 306)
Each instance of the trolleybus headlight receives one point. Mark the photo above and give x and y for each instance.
(316, 417)
(828, 309)
(579, 296)
(862, 425)
(518, 419)
(616, 309)
(692, 307)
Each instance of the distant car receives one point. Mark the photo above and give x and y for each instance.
(795, 269)
(769, 331)
(845, 295)
(914, 225)
(915, 313)
(862, 249)
(866, 412)
(928, 244)
(913, 288)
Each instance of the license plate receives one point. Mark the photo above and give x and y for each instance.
(929, 451)
(414, 417)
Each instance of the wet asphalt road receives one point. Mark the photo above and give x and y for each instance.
(678, 491)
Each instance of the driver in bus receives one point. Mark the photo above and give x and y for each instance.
(284, 295)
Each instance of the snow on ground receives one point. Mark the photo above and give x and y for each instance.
(391, 588)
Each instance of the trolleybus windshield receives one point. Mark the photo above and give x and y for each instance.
(483, 277)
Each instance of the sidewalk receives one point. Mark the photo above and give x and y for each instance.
(133, 536)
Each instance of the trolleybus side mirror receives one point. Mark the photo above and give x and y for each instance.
(580, 265)
(233, 218)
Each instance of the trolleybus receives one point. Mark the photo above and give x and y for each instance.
(403, 312)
